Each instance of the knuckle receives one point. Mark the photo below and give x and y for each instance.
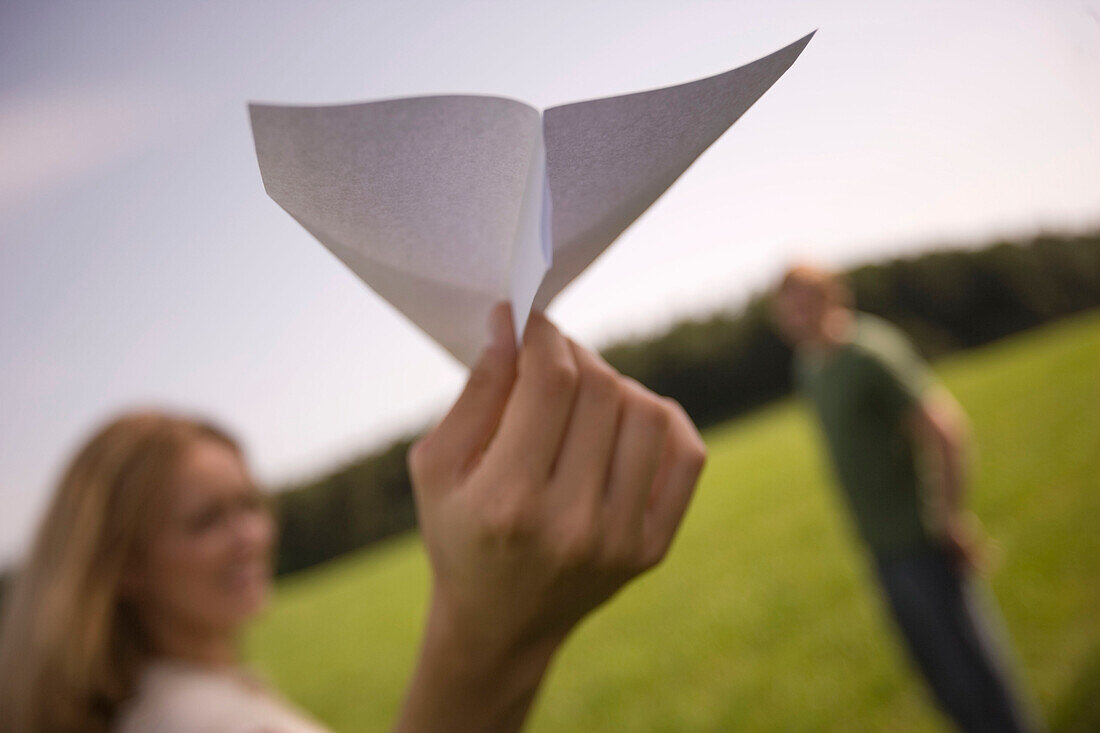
(556, 377)
(652, 414)
(618, 559)
(690, 450)
(623, 562)
(508, 511)
(579, 539)
(651, 558)
(675, 409)
(621, 553)
(693, 454)
(578, 549)
(699, 456)
(652, 551)
(506, 519)
(601, 386)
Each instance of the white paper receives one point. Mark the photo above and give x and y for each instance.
(447, 205)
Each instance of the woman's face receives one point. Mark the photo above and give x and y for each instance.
(209, 567)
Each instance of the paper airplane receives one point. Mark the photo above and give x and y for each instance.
(446, 205)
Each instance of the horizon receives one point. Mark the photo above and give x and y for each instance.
(143, 263)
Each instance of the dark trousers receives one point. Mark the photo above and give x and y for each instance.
(947, 631)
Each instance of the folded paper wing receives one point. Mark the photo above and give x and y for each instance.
(609, 159)
(422, 198)
(446, 205)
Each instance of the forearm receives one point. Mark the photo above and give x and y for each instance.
(942, 436)
(951, 480)
(462, 685)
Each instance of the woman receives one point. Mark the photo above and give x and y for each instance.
(550, 483)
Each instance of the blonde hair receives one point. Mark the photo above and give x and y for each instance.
(70, 645)
(831, 286)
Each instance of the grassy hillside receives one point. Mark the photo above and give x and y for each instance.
(761, 618)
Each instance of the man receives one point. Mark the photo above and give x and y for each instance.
(898, 442)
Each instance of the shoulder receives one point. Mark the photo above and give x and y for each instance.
(879, 341)
(875, 333)
(889, 363)
(176, 699)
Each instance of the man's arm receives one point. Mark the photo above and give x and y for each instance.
(942, 432)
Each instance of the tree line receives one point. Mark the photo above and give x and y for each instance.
(732, 361)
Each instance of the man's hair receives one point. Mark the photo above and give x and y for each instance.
(832, 286)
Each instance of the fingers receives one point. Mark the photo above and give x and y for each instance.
(682, 461)
(638, 448)
(558, 415)
(628, 466)
(582, 466)
(535, 417)
(458, 440)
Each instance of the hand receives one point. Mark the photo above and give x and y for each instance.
(966, 545)
(551, 483)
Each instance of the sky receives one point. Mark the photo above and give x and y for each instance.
(141, 263)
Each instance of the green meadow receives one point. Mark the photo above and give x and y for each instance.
(762, 617)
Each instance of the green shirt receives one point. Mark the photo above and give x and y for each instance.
(861, 392)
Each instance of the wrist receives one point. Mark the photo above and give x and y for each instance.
(484, 653)
(470, 681)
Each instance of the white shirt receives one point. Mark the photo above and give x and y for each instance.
(177, 697)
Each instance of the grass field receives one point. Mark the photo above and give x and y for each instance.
(762, 617)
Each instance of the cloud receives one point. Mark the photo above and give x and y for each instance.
(50, 140)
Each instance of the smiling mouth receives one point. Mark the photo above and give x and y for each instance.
(247, 577)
